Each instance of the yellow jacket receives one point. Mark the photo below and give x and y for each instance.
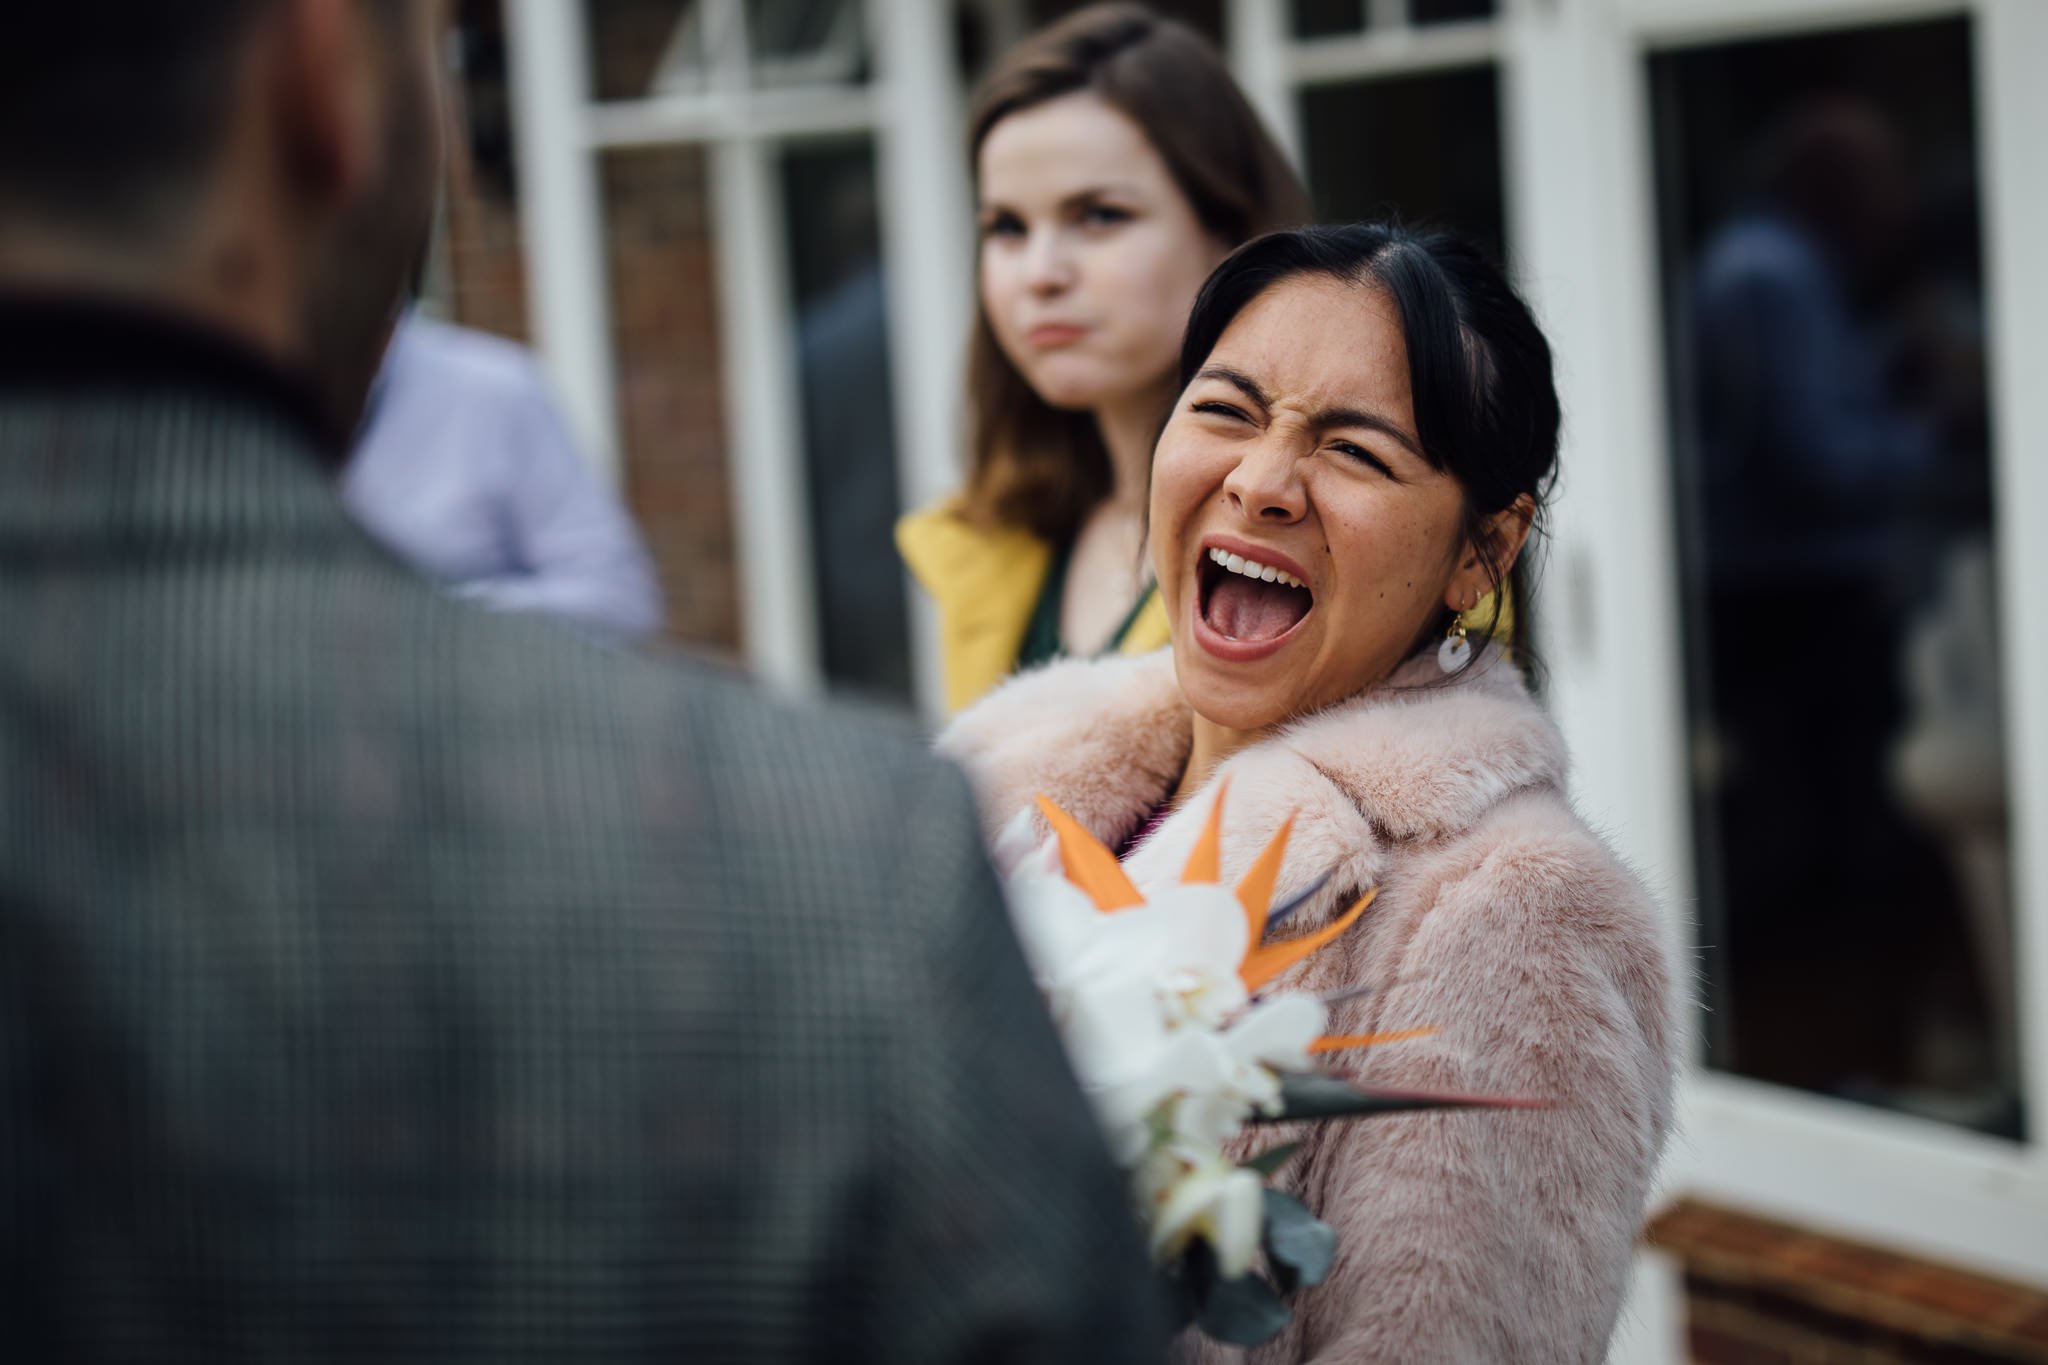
(986, 583)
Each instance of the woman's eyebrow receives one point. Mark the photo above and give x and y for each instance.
(1328, 417)
(1110, 189)
(1371, 421)
(1242, 381)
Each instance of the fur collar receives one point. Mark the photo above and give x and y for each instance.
(1418, 758)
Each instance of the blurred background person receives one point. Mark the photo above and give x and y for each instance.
(1791, 364)
(384, 978)
(1115, 164)
(1834, 395)
(842, 339)
(466, 469)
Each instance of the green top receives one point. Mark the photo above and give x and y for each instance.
(1042, 636)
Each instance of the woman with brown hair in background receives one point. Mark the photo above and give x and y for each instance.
(1115, 164)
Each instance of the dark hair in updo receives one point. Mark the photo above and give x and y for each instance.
(1479, 369)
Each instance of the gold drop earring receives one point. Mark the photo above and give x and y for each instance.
(1456, 651)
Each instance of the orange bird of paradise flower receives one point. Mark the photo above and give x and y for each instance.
(1092, 866)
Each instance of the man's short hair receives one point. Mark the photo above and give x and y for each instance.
(110, 108)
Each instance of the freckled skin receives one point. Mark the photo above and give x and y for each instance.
(1275, 475)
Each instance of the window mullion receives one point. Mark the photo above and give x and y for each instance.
(1259, 57)
(764, 421)
(927, 236)
(561, 216)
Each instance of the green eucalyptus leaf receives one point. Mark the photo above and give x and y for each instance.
(1272, 1159)
(1243, 1312)
(1298, 1243)
(1178, 1296)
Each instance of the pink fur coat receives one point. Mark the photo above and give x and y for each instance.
(1502, 921)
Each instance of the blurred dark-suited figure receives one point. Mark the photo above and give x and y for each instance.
(1806, 456)
(1828, 482)
(385, 978)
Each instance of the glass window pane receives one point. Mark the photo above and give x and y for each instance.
(1826, 338)
(664, 47)
(806, 42)
(644, 47)
(1366, 161)
(1205, 16)
(1449, 11)
(665, 340)
(842, 343)
(1326, 18)
(985, 29)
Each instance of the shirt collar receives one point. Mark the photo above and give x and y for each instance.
(52, 340)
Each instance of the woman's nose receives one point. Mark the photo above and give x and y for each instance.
(1266, 484)
(1049, 265)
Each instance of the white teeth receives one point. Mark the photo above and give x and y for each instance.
(1251, 568)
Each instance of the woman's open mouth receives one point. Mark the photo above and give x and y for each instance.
(1248, 607)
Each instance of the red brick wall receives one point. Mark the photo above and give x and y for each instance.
(663, 308)
(671, 404)
(1761, 1292)
(486, 272)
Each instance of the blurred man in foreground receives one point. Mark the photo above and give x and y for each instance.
(385, 978)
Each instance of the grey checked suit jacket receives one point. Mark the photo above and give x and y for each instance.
(385, 979)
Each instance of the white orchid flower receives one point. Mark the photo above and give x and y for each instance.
(1136, 993)
(1222, 1203)
(1019, 852)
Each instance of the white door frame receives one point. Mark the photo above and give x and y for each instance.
(1584, 224)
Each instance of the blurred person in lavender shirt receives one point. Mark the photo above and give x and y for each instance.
(465, 468)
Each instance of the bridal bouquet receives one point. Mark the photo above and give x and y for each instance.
(1167, 1010)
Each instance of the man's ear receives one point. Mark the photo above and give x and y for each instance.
(322, 72)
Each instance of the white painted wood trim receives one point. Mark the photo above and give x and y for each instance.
(1397, 52)
(1684, 23)
(718, 114)
(2012, 128)
(560, 213)
(1255, 35)
(1581, 218)
(765, 450)
(927, 242)
(1922, 1187)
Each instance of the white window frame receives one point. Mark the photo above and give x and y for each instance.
(1580, 195)
(910, 108)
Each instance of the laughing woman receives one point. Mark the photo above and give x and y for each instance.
(1366, 428)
